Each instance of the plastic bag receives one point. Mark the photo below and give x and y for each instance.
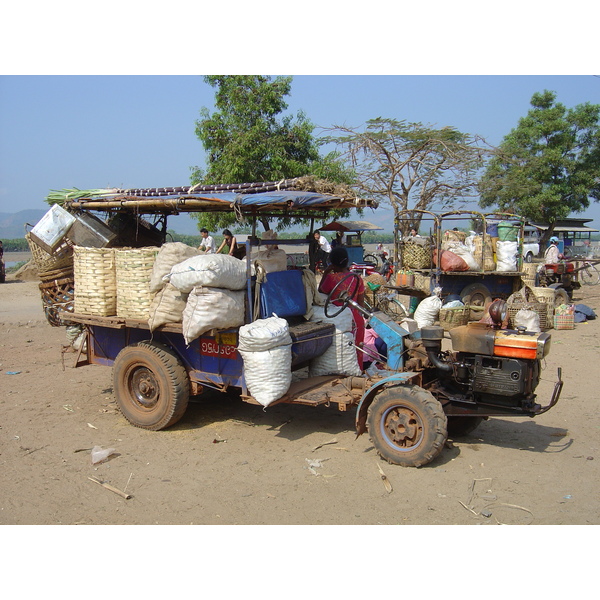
(528, 319)
(100, 454)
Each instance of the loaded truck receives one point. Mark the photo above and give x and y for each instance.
(424, 392)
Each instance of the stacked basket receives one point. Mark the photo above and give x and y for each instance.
(546, 295)
(525, 299)
(95, 278)
(454, 317)
(528, 278)
(133, 272)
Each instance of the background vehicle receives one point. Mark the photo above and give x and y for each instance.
(425, 394)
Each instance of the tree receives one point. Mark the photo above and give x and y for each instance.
(411, 166)
(247, 139)
(548, 166)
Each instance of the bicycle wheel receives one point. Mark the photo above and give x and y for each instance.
(589, 275)
(391, 307)
(371, 259)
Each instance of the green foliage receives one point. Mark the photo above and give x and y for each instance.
(16, 245)
(547, 167)
(411, 166)
(248, 140)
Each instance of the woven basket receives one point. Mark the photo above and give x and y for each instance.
(134, 271)
(416, 256)
(546, 295)
(525, 298)
(454, 317)
(564, 321)
(60, 258)
(529, 269)
(58, 300)
(423, 283)
(484, 254)
(95, 281)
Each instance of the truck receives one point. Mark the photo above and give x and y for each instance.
(424, 393)
(478, 283)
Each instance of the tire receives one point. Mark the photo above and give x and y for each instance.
(391, 309)
(459, 426)
(373, 260)
(529, 257)
(151, 386)
(589, 275)
(476, 295)
(407, 425)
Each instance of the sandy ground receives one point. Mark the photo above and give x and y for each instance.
(227, 462)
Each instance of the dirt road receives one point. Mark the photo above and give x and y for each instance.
(228, 462)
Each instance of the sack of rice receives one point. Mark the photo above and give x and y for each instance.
(208, 270)
(167, 307)
(211, 308)
(169, 255)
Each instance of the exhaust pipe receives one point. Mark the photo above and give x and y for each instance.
(432, 340)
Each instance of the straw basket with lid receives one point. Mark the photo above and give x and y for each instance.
(133, 273)
(95, 281)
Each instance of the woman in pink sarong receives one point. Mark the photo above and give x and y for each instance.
(333, 274)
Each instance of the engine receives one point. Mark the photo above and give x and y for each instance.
(487, 365)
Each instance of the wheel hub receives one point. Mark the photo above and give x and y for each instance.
(144, 387)
(402, 427)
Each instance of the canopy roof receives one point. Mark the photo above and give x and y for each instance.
(354, 226)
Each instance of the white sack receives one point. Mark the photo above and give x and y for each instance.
(212, 308)
(506, 256)
(271, 260)
(427, 312)
(208, 270)
(528, 319)
(339, 359)
(268, 374)
(169, 255)
(264, 334)
(343, 322)
(167, 307)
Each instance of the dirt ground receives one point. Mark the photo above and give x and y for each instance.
(227, 462)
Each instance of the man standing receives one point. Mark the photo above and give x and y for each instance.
(207, 244)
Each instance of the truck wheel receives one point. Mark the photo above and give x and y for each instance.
(459, 426)
(529, 257)
(151, 385)
(407, 425)
(476, 295)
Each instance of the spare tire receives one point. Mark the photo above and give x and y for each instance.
(477, 296)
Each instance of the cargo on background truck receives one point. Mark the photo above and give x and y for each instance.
(423, 392)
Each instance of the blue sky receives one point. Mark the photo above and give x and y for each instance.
(127, 131)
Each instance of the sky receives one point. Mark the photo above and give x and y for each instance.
(127, 131)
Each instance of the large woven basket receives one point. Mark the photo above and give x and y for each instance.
(423, 282)
(484, 253)
(95, 281)
(454, 317)
(525, 298)
(416, 256)
(58, 300)
(546, 295)
(61, 257)
(134, 271)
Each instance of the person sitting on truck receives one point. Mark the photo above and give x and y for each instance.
(207, 245)
(552, 254)
(228, 245)
(338, 240)
(333, 274)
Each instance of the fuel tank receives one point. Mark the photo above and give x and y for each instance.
(479, 338)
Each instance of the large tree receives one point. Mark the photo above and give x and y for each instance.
(249, 139)
(549, 165)
(412, 166)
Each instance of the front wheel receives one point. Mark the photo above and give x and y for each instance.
(151, 385)
(477, 296)
(371, 259)
(407, 426)
(589, 275)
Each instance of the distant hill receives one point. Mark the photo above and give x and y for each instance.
(12, 225)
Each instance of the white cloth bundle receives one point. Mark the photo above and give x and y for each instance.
(169, 255)
(266, 348)
(427, 312)
(464, 252)
(208, 270)
(211, 308)
(506, 256)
